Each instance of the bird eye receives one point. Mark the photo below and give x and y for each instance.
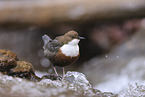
(74, 36)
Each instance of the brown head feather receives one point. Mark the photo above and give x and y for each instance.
(68, 37)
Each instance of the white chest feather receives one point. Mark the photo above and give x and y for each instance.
(71, 49)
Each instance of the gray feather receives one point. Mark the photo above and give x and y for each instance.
(46, 40)
(50, 46)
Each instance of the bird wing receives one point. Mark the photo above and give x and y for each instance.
(50, 46)
(46, 39)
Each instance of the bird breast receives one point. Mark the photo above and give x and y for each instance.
(71, 49)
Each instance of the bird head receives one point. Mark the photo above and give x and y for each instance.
(71, 36)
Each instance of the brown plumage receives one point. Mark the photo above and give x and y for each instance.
(61, 60)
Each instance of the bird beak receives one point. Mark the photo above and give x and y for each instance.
(81, 37)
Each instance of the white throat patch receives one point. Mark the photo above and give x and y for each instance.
(71, 49)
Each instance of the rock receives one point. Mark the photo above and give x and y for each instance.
(51, 76)
(7, 60)
(8, 53)
(23, 70)
(10, 65)
(78, 83)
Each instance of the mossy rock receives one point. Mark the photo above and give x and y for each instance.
(23, 66)
(23, 70)
(7, 60)
(8, 53)
(10, 65)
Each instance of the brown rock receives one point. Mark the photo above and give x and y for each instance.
(7, 60)
(23, 70)
(23, 66)
(10, 65)
(8, 53)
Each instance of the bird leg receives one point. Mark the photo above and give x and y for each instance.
(63, 71)
(55, 70)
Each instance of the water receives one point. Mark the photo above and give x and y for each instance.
(133, 90)
(133, 72)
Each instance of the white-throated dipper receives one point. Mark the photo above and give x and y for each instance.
(63, 50)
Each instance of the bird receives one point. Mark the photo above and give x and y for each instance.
(63, 50)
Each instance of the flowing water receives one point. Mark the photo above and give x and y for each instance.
(129, 82)
(122, 71)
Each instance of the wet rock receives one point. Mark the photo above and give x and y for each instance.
(7, 60)
(51, 76)
(82, 85)
(79, 86)
(23, 70)
(78, 83)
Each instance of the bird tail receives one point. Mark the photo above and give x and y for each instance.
(46, 40)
